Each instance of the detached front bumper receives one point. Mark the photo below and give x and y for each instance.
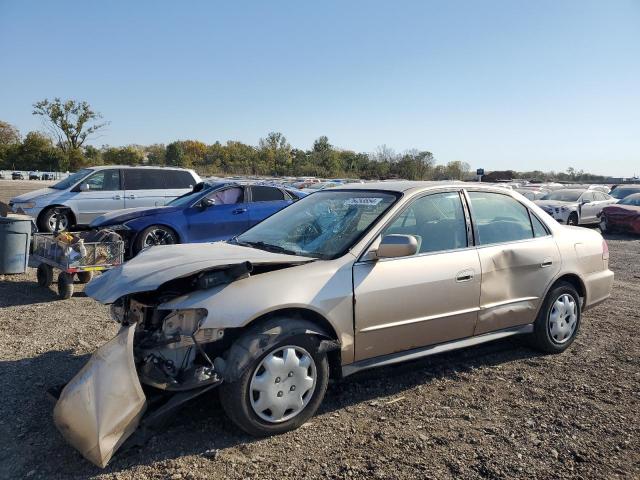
(103, 404)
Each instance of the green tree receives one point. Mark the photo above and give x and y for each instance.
(129, 155)
(175, 156)
(274, 154)
(156, 154)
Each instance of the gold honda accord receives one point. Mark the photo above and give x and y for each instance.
(343, 280)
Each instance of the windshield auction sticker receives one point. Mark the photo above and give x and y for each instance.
(363, 201)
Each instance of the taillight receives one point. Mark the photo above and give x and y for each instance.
(605, 250)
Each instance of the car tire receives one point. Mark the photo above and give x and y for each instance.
(243, 403)
(573, 219)
(47, 221)
(65, 285)
(84, 277)
(44, 275)
(559, 319)
(166, 236)
(604, 225)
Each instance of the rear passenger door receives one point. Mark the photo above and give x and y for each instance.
(265, 201)
(518, 257)
(143, 187)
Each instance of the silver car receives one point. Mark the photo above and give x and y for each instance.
(575, 206)
(346, 279)
(91, 192)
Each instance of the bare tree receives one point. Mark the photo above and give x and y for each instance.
(70, 122)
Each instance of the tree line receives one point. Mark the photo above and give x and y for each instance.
(69, 124)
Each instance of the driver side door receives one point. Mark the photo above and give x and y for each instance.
(226, 218)
(427, 298)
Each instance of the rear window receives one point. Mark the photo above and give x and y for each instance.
(178, 179)
(266, 194)
(142, 179)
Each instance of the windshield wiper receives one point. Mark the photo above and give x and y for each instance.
(268, 247)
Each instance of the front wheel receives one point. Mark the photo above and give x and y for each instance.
(280, 390)
(154, 235)
(573, 219)
(559, 319)
(50, 219)
(604, 225)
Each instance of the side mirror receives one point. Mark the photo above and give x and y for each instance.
(207, 202)
(395, 246)
(84, 187)
(585, 201)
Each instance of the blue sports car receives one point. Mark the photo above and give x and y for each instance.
(211, 212)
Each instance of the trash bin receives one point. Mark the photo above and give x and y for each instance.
(15, 237)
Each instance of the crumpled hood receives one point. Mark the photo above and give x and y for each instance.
(157, 265)
(120, 216)
(26, 197)
(556, 203)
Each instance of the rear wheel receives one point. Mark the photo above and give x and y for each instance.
(573, 219)
(559, 319)
(44, 275)
(281, 389)
(65, 285)
(154, 235)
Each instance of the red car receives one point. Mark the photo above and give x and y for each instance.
(624, 215)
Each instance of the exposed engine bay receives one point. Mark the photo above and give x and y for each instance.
(171, 350)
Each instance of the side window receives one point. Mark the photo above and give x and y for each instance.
(154, 180)
(499, 218)
(104, 180)
(600, 197)
(587, 197)
(178, 179)
(136, 179)
(227, 196)
(261, 193)
(437, 221)
(539, 230)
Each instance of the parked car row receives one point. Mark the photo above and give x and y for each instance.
(342, 280)
(575, 206)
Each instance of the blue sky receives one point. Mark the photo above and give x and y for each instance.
(498, 84)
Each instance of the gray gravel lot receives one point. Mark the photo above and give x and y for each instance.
(495, 411)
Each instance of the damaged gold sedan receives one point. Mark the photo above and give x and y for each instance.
(343, 280)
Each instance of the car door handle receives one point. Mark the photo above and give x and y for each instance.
(546, 263)
(465, 276)
(132, 196)
(238, 211)
(117, 197)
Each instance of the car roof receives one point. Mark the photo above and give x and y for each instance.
(402, 186)
(139, 167)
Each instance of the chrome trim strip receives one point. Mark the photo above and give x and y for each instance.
(417, 320)
(421, 352)
(507, 302)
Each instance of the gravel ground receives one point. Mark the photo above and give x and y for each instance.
(499, 410)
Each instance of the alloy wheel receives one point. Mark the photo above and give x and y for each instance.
(159, 236)
(63, 222)
(283, 384)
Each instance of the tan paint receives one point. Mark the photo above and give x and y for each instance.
(514, 279)
(102, 405)
(409, 302)
(399, 304)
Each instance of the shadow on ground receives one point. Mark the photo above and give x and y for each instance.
(201, 425)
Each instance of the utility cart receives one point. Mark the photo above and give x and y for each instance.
(75, 255)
